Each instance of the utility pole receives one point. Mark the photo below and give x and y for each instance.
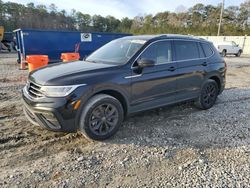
(221, 13)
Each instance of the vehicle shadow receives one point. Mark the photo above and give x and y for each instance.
(225, 125)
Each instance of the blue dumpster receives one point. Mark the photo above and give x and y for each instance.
(53, 43)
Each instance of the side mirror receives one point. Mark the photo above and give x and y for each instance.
(146, 63)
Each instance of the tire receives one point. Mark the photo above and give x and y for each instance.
(238, 54)
(208, 95)
(224, 53)
(101, 117)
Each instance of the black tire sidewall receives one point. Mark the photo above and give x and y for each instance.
(224, 53)
(203, 104)
(84, 121)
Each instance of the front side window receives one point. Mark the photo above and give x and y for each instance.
(116, 52)
(233, 43)
(160, 52)
(186, 50)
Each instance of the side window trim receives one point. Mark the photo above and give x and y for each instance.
(174, 60)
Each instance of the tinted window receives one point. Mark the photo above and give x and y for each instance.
(160, 52)
(207, 49)
(201, 52)
(186, 50)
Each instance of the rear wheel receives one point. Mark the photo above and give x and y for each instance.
(208, 95)
(238, 54)
(101, 117)
(224, 53)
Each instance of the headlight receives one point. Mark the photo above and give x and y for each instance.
(58, 91)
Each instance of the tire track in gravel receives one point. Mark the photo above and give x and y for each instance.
(8, 139)
(22, 149)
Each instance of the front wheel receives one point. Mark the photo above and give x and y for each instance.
(101, 117)
(208, 95)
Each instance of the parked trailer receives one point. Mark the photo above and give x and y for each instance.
(53, 43)
(7, 42)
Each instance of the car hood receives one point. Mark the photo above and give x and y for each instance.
(66, 73)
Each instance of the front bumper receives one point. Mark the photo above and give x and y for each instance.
(56, 114)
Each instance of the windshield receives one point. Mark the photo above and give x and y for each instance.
(116, 52)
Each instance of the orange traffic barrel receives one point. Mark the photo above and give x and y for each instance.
(66, 57)
(36, 61)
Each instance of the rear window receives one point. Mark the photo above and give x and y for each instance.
(207, 49)
(186, 50)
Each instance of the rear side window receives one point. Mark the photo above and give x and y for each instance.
(160, 52)
(207, 49)
(186, 50)
(201, 52)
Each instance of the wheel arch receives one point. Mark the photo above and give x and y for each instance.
(116, 94)
(122, 95)
(217, 80)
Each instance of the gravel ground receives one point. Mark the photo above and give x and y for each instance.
(176, 146)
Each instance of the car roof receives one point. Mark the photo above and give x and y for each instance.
(165, 36)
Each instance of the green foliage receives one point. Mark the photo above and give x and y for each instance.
(198, 20)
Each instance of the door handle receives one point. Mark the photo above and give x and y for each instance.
(171, 69)
(204, 64)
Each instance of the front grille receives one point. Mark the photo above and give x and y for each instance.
(34, 90)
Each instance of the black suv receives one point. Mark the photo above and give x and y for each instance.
(125, 76)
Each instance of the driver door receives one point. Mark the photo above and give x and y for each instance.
(234, 48)
(154, 86)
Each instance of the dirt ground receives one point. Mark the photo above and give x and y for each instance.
(177, 146)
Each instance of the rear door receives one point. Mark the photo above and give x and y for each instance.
(154, 86)
(192, 67)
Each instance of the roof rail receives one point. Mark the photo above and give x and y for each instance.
(179, 35)
(188, 36)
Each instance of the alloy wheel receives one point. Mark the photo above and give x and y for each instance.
(103, 119)
(210, 94)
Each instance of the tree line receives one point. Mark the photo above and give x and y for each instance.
(197, 20)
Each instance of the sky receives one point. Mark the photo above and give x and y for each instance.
(124, 8)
